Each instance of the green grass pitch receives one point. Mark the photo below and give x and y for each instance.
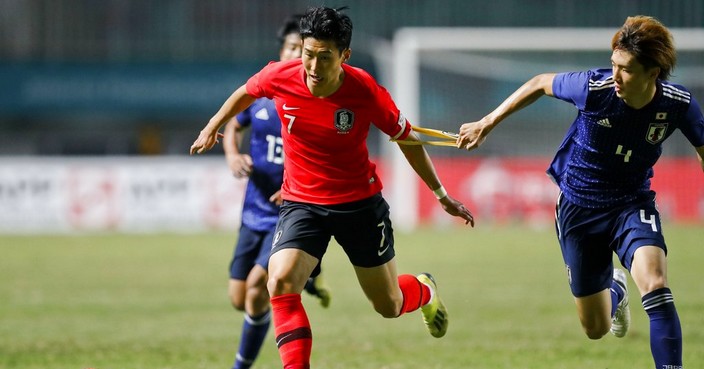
(160, 302)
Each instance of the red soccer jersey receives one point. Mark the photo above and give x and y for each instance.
(326, 160)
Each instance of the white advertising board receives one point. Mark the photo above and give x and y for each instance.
(56, 195)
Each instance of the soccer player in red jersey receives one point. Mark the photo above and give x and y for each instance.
(330, 186)
(263, 166)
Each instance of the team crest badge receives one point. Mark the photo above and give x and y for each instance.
(344, 119)
(656, 132)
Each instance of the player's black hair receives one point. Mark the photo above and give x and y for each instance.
(290, 25)
(328, 24)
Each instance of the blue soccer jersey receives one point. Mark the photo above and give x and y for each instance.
(607, 156)
(258, 213)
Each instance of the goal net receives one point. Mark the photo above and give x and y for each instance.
(442, 77)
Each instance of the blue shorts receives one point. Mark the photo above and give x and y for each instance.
(362, 228)
(588, 237)
(253, 247)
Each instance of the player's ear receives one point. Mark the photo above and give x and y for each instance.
(346, 55)
(654, 72)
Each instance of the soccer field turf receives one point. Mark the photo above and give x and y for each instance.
(160, 301)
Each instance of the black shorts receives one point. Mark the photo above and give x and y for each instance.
(362, 228)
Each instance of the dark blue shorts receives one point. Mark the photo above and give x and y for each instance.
(253, 247)
(589, 237)
(362, 228)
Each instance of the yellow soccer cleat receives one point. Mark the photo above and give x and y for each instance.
(434, 312)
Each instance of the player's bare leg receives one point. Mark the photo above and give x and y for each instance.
(380, 285)
(393, 295)
(594, 312)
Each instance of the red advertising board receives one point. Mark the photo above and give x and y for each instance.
(518, 190)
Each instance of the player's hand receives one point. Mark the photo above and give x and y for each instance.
(205, 141)
(456, 208)
(240, 165)
(473, 134)
(276, 198)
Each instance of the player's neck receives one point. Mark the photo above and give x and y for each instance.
(641, 100)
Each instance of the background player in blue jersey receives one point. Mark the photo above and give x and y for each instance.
(603, 168)
(260, 212)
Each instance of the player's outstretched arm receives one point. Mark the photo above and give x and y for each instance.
(473, 134)
(418, 158)
(240, 163)
(208, 137)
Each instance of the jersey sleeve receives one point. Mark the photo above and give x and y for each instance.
(258, 84)
(245, 117)
(572, 87)
(391, 122)
(693, 128)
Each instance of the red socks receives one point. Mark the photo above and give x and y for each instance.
(292, 328)
(415, 293)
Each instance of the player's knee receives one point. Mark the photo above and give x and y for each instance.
(279, 285)
(237, 296)
(387, 309)
(237, 302)
(594, 335)
(258, 297)
(256, 282)
(387, 312)
(596, 331)
(653, 283)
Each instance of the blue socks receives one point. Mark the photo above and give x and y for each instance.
(665, 329)
(617, 294)
(254, 331)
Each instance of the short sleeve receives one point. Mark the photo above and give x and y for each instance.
(693, 128)
(392, 122)
(245, 117)
(257, 85)
(572, 87)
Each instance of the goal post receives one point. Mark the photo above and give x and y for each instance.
(416, 47)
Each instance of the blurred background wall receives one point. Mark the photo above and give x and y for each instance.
(129, 77)
(100, 101)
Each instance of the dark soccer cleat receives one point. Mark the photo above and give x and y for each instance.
(317, 287)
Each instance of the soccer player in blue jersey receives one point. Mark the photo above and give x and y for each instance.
(260, 212)
(603, 168)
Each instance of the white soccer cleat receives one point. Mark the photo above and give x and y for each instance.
(622, 318)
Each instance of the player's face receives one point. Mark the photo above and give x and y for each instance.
(634, 83)
(323, 64)
(291, 49)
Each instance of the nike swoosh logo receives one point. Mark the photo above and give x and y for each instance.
(290, 107)
(281, 339)
(381, 252)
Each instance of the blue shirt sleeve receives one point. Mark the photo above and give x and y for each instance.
(572, 87)
(693, 129)
(245, 117)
